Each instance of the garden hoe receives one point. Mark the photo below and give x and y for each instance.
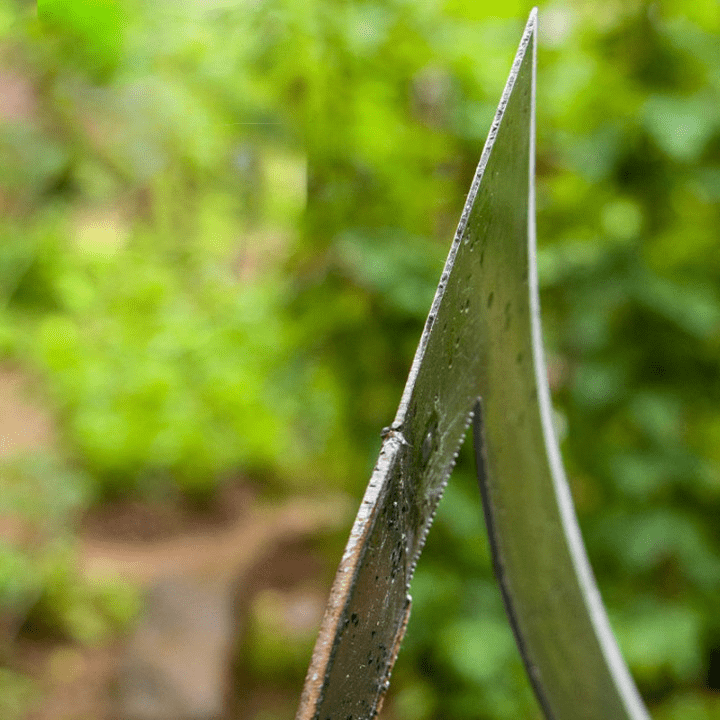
(480, 360)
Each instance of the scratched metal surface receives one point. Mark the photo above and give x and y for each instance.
(481, 339)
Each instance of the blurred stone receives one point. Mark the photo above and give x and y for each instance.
(24, 425)
(179, 663)
(19, 101)
(176, 662)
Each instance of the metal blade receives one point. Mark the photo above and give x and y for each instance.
(481, 339)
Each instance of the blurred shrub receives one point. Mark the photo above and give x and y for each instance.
(41, 587)
(17, 695)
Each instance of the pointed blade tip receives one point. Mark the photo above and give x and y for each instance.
(532, 23)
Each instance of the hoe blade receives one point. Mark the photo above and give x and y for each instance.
(480, 356)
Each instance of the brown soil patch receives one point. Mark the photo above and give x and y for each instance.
(135, 521)
(238, 541)
(245, 547)
(224, 552)
(24, 425)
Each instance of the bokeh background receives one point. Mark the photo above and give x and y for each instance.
(221, 226)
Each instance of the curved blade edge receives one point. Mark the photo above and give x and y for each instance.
(482, 338)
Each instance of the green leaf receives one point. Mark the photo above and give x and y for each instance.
(682, 126)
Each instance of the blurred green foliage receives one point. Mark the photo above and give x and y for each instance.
(17, 695)
(41, 586)
(222, 225)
